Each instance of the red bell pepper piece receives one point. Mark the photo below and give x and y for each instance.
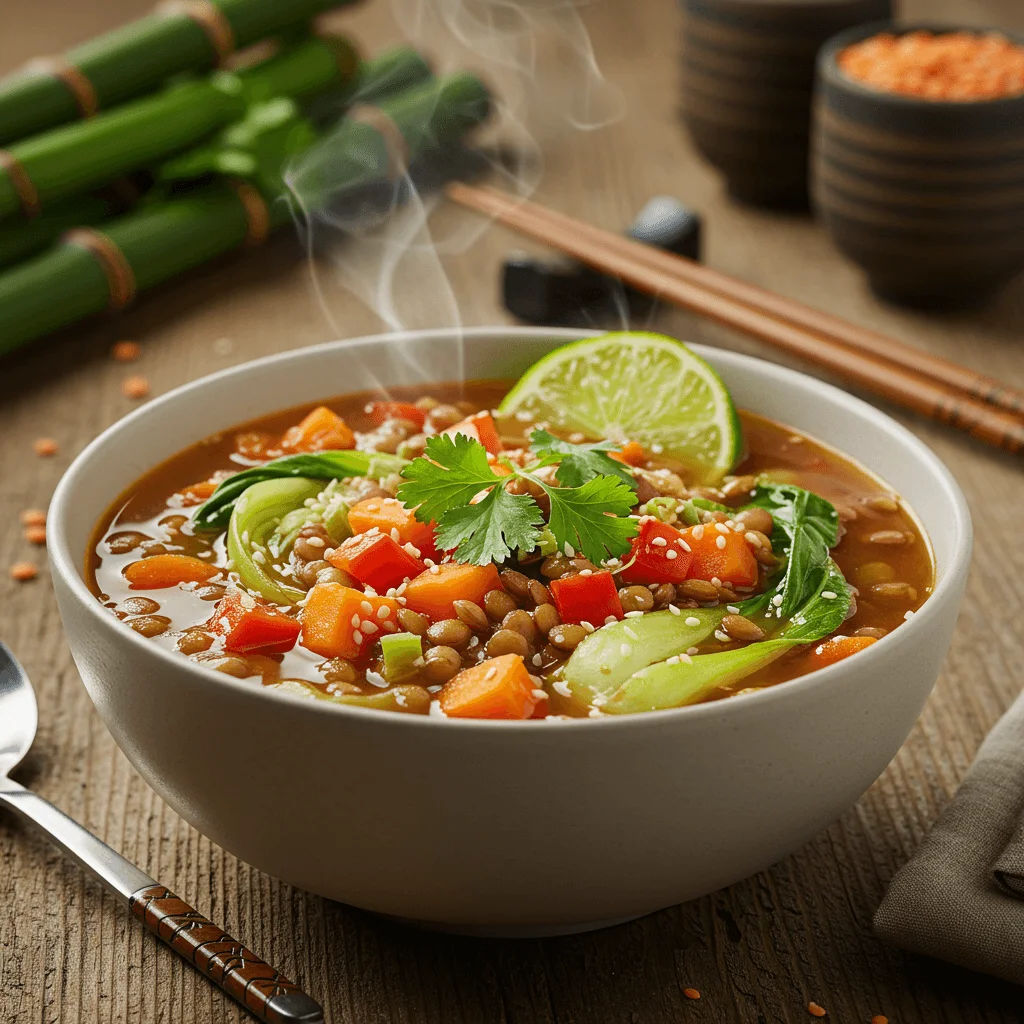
(380, 412)
(480, 427)
(657, 555)
(376, 560)
(249, 626)
(592, 598)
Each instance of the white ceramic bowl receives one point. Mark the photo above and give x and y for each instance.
(497, 827)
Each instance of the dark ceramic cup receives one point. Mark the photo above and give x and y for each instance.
(748, 77)
(927, 196)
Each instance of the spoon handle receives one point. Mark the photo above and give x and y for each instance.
(265, 993)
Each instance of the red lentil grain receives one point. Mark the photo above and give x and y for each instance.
(126, 351)
(35, 534)
(135, 387)
(815, 1010)
(33, 517)
(691, 993)
(23, 572)
(879, 1018)
(44, 446)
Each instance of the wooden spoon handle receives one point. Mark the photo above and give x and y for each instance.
(264, 992)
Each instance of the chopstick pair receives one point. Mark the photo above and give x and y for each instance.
(934, 387)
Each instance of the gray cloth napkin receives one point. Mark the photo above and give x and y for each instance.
(961, 896)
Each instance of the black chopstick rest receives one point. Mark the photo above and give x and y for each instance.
(549, 291)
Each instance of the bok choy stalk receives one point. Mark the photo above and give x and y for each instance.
(215, 514)
(673, 683)
(408, 698)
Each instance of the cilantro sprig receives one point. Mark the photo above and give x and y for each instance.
(588, 512)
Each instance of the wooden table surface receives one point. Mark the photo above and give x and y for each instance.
(759, 950)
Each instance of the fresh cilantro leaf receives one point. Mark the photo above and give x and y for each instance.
(450, 473)
(580, 517)
(578, 463)
(492, 528)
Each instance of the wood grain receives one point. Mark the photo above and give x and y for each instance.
(758, 951)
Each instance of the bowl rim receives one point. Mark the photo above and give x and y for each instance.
(67, 566)
(828, 66)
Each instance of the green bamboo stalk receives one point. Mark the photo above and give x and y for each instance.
(84, 155)
(163, 239)
(138, 58)
(18, 241)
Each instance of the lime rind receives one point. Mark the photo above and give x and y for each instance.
(635, 386)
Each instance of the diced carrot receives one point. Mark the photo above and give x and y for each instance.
(159, 571)
(248, 625)
(722, 556)
(387, 514)
(837, 648)
(376, 560)
(433, 592)
(339, 622)
(480, 427)
(381, 412)
(197, 493)
(632, 454)
(321, 430)
(657, 556)
(496, 688)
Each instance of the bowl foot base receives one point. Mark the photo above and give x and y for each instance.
(526, 931)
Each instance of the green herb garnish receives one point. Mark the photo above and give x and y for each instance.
(590, 517)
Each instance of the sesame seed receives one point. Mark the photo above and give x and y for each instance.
(659, 541)
(777, 600)
(634, 615)
(692, 621)
(671, 554)
(436, 570)
(721, 637)
(537, 660)
(586, 572)
(569, 549)
(829, 595)
(631, 633)
(383, 612)
(732, 609)
(682, 543)
(491, 672)
(540, 694)
(674, 610)
(625, 650)
(715, 581)
(562, 687)
(697, 532)
(595, 713)
(692, 651)
(355, 621)
(357, 637)
(315, 542)
(908, 616)
(720, 543)
(395, 535)
(722, 528)
(368, 627)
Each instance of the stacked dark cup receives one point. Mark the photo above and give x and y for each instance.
(748, 78)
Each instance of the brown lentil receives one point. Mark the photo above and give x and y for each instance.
(472, 615)
(726, 595)
(552, 655)
(122, 543)
(33, 517)
(237, 667)
(498, 604)
(152, 547)
(580, 564)
(413, 622)
(697, 590)
(635, 599)
(44, 446)
(870, 573)
(448, 633)
(847, 514)
(521, 622)
(875, 631)
(890, 538)
(210, 592)
(741, 486)
(426, 403)
(567, 637)
(306, 572)
(516, 583)
(756, 520)
(150, 625)
(740, 628)
(307, 548)
(339, 670)
(441, 663)
(545, 618)
(194, 641)
(554, 567)
(332, 574)
(23, 572)
(663, 596)
(139, 606)
(35, 534)
(444, 416)
(507, 641)
(539, 594)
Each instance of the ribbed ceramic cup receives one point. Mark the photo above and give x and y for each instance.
(927, 196)
(748, 77)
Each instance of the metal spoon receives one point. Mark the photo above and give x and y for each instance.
(244, 976)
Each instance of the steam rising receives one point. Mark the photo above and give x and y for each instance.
(537, 59)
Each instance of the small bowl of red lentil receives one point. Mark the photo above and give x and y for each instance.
(917, 158)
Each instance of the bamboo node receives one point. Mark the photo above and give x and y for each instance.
(83, 92)
(257, 213)
(121, 284)
(23, 185)
(210, 18)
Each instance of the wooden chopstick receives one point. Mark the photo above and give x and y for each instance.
(689, 285)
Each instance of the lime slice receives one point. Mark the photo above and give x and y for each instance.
(635, 386)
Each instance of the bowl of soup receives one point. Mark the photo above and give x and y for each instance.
(484, 656)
